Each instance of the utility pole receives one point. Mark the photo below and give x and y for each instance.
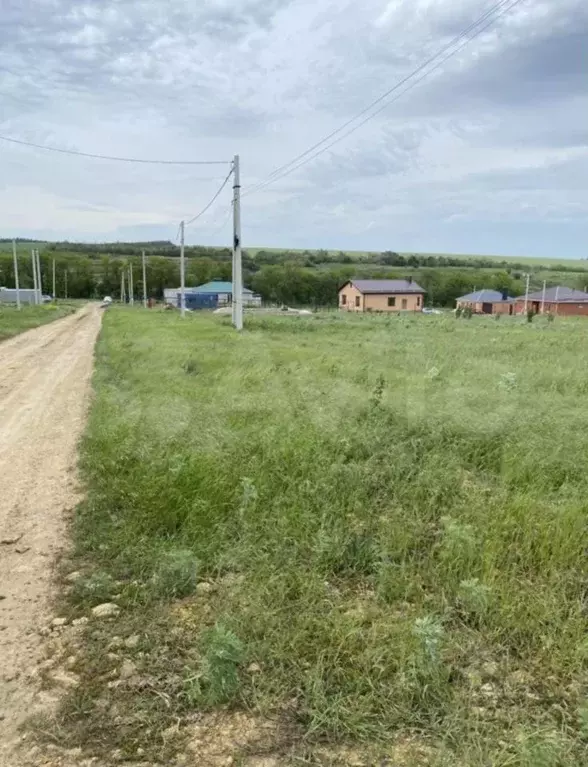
(182, 270)
(527, 292)
(40, 277)
(53, 268)
(35, 284)
(144, 280)
(237, 256)
(122, 286)
(543, 297)
(131, 290)
(65, 283)
(16, 284)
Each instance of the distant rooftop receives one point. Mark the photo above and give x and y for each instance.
(485, 297)
(559, 294)
(387, 286)
(216, 286)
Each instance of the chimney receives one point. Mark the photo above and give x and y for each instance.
(504, 295)
(409, 280)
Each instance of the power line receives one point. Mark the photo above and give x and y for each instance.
(108, 157)
(214, 199)
(504, 6)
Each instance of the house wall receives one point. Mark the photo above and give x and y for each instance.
(378, 302)
(500, 307)
(351, 293)
(561, 309)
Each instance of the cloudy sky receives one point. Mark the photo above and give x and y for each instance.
(488, 154)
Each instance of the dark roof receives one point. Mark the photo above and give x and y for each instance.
(387, 286)
(558, 295)
(485, 297)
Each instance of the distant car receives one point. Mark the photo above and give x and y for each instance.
(46, 299)
(432, 311)
(106, 301)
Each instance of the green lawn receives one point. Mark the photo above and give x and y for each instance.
(13, 321)
(366, 533)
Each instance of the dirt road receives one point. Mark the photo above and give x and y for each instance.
(44, 387)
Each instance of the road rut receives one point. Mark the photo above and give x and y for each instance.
(44, 391)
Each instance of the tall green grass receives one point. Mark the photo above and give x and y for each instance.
(391, 513)
(14, 321)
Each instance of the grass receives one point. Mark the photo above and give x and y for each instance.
(367, 531)
(13, 321)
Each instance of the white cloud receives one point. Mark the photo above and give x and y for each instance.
(496, 135)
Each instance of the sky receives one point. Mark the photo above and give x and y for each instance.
(487, 154)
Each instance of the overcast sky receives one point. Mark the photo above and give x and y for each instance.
(487, 155)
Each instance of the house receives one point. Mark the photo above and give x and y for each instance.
(210, 296)
(381, 296)
(558, 300)
(487, 302)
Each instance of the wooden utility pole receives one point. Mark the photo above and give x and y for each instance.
(65, 282)
(543, 297)
(16, 283)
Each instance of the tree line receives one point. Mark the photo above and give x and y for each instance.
(289, 281)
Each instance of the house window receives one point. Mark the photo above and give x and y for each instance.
(343, 299)
(418, 300)
(391, 300)
(404, 303)
(357, 301)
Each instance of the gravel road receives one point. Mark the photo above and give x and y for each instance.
(44, 391)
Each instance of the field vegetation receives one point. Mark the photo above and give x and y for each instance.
(363, 536)
(13, 321)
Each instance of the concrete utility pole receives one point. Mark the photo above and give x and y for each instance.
(131, 290)
(143, 264)
(40, 277)
(35, 283)
(237, 256)
(543, 297)
(122, 286)
(53, 270)
(527, 292)
(182, 270)
(16, 283)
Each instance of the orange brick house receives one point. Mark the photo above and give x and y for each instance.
(558, 300)
(381, 296)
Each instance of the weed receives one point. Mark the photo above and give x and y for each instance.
(176, 574)
(218, 679)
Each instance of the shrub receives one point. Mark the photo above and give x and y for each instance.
(177, 574)
(218, 679)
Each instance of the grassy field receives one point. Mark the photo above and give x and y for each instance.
(13, 321)
(334, 541)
